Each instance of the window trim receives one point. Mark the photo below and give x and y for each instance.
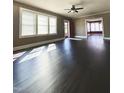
(36, 25)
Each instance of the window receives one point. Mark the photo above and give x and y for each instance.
(33, 23)
(88, 27)
(42, 24)
(52, 25)
(101, 27)
(28, 23)
(94, 26)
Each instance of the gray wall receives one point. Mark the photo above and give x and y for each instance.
(80, 24)
(23, 41)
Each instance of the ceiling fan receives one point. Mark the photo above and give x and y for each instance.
(73, 9)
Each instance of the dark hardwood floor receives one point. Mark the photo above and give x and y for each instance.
(68, 66)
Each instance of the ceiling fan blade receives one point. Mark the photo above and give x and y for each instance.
(67, 9)
(73, 9)
(76, 11)
(79, 8)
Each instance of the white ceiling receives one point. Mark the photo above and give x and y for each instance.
(58, 6)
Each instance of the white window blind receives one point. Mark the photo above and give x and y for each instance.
(52, 25)
(94, 26)
(28, 23)
(88, 27)
(101, 28)
(42, 24)
(33, 23)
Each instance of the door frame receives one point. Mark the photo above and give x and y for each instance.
(94, 19)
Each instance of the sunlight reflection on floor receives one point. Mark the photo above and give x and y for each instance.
(38, 51)
(51, 47)
(17, 55)
(34, 53)
(96, 42)
(74, 38)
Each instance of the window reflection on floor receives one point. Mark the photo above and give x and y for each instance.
(75, 39)
(37, 52)
(96, 42)
(17, 55)
(67, 44)
(33, 53)
(38, 49)
(51, 47)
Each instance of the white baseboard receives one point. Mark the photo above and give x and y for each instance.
(36, 44)
(106, 38)
(80, 36)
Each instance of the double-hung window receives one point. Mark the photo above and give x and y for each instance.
(28, 23)
(42, 24)
(94, 26)
(34, 23)
(52, 25)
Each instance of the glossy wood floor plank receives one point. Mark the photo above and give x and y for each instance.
(68, 66)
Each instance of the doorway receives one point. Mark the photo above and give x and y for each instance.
(66, 28)
(94, 27)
